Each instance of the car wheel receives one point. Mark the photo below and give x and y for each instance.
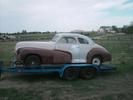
(87, 73)
(32, 60)
(96, 60)
(70, 74)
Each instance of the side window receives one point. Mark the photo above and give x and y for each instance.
(71, 40)
(68, 40)
(63, 40)
(83, 41)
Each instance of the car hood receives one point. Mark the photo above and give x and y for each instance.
(36, 44)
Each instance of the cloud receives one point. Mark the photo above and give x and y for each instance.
(61, 15)
(127, 6)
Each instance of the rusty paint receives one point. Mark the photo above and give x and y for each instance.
(98, 52)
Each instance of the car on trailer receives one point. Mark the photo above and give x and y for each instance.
(64, 48)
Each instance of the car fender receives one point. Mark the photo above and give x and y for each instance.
(105, 56)
(47, 56)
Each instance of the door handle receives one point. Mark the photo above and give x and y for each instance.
(75, 46)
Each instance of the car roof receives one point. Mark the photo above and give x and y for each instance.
(72, 34)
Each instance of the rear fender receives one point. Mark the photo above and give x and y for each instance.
(105, 56)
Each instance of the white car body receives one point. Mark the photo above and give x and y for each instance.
(78, 50)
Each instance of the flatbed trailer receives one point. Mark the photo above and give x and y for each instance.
(65, 71)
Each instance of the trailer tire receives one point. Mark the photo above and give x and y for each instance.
(0, 74)
(71, 73)
(32, 60)
(87, 73)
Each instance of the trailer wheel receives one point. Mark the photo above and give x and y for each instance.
(70, 73)
(32, 60)
(0, 74)
(87, 73)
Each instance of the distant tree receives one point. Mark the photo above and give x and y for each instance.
(131, 23)
(24, 31)
(114, 28)
(128, 29)
(47, 32)
(55, 32)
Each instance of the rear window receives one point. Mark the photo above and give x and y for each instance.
(83, 41)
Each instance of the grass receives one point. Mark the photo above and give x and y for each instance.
(107, 86)
(14, 94)
(37, 36)
(7, 51)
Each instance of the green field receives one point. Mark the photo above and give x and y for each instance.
(108, 86)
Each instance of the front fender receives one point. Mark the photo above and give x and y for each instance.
(47, 56)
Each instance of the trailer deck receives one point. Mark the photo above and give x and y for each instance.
(65, 71)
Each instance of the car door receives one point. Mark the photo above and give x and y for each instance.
(71, 45)
(84, 47)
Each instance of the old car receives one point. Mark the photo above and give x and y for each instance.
(63, 48)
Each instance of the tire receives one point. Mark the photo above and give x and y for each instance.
(71, 74)
(1, 63)
(0, 74)
(32, 60)
(96, 60)
(87, 73)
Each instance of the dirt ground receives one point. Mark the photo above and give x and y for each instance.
(51, 87)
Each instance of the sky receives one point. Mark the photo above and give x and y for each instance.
(63, 15)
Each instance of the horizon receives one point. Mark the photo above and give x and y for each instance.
(63, 15)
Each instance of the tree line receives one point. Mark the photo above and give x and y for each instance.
(128, 29)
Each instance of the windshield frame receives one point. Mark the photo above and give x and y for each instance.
(55, 38)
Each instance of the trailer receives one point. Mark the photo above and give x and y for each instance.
(65, 71)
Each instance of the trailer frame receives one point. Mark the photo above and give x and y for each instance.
(64, 70)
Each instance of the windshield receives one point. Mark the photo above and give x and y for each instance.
(55, 38)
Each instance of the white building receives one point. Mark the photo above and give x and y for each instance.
(106, 29)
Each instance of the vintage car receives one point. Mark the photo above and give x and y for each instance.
(63, 48)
